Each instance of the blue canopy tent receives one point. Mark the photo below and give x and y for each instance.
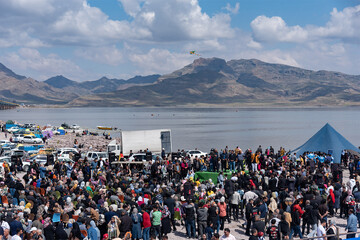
(327, 140)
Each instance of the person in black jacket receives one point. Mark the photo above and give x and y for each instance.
(254, 234)
(170, 203)
(258, 224)
(284, 228)
(248, 215)
(295, 224)
(273, 231)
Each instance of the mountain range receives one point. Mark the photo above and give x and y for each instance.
(205, 82)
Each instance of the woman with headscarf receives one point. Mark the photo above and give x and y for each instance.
(273, 205)
(49, 230)
(60, 233)
(75, 233)
(92, 223)
(165, 221)
(113, 227)
(137, 220)
(69, 206)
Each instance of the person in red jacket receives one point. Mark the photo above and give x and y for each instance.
(331, 202)
(146, 224)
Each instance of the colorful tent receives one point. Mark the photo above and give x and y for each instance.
(329, 141)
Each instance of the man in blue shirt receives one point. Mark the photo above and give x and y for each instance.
(16, 224)
(351, 224)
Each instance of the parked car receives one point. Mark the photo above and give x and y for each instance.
(195, 153)
(31, 139)
(3, 142)
(91, 156)
(75, 126)
(40, 159)
(66, 152)
(13, 129)
(17, 138)
(29, 125)
(137, 157)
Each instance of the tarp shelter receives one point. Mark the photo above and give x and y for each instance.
(327, 140)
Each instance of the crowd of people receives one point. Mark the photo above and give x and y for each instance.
(272, 195)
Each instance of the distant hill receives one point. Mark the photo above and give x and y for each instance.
(20, 89)
(60, 82)
(59, 89)
(7, 72)
(101, 85)
(203, 83)
(215, 82)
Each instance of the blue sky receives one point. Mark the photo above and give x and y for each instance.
(85, 40)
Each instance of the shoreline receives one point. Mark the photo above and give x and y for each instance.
(247, 107)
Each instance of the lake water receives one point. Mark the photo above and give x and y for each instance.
(205, 128)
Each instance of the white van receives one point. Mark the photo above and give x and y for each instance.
(91, 156)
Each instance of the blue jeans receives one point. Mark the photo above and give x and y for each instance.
(146, 233)
(12, 191)
(190, 228)
(232, 166)
(295, 230)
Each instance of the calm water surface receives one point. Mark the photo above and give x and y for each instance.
(206, 128)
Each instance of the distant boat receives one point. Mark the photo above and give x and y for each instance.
(105, 128)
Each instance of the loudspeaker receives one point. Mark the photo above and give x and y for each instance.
(112, 157)
(50, 159)
(77, 156)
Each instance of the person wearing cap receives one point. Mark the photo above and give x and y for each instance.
(227, 235)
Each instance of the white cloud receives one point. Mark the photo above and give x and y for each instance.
(28, 59)
(109, 55)
(233, 10)
(77, 23)
(159, 61)
(179, 20)
(343, 24)
(275, 29)
(131, 7)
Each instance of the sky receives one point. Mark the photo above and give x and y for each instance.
(87, 39)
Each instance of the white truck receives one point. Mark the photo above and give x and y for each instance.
(154, 140)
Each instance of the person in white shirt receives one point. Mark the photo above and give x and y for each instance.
(321, 230)
(19, 231)
(227, 235)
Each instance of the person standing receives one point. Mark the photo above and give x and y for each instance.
(202, 216)
(170, 203)
(248, 215)
(146, 224)
(156, 221)
(235, 201)
(321, 230)
(222, 212)
(351, 225)
(190, 219)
